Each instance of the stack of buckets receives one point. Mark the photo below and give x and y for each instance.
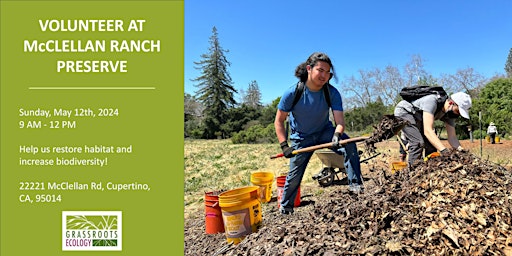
(237, 212)
(241, 212)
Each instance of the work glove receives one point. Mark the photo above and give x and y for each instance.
(445, 152)
(336, 140)
(461, 149)
(287, 151)
(432, 155)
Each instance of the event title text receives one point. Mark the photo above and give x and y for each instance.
(91, 46)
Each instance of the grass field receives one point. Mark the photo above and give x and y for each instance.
(215, 165)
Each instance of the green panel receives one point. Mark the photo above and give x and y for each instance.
(138, 144)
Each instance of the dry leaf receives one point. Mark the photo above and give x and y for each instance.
(452, 234)
(481, 218)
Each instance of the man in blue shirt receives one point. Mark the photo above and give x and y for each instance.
(310, 125)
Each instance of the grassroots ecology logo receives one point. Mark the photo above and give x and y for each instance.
(92, 231)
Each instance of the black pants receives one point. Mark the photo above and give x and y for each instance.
(415, 137)
(493, 137)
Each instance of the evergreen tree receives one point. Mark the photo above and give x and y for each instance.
(508, 64)
(253, 96)
(268, 113)
(215, 92)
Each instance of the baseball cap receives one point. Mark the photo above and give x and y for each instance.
(462, 100)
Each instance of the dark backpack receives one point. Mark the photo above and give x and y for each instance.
(413, 93)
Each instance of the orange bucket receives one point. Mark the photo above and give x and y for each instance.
(281, 180)
(213, 214)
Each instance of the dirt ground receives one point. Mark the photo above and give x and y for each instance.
(500, 151)
(503, 144)
(319, 225)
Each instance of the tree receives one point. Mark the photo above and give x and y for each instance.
(495, 103)
(388, 83)
(239, 117)
(359, 119)
(508, 64)
(192, 107)
(414, 70)
(268, 113)
(464, 80)
(252, 97)
(360, 88)
(215, 92)
(468, 80)
(193, 116)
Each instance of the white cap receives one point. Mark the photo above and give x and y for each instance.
(462, 100)
(491, 123)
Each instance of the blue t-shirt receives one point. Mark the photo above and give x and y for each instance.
(311, 113)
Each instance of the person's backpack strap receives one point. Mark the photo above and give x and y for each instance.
(440, 102)
(327, 94)
(299, 90)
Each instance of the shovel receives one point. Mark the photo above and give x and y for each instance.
(321, 146)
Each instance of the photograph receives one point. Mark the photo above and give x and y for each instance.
(347, 128)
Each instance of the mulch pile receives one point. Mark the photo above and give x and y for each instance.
(455, 205)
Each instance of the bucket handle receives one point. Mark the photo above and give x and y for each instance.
(213, 206)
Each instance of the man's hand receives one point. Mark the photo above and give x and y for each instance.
(445, 152)
(336, 140)
(287, 151)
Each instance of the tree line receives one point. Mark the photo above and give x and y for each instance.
(214, 113)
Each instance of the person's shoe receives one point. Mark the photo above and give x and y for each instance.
(355, 188)
(285, 211)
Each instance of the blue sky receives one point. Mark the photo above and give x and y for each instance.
(268, 39)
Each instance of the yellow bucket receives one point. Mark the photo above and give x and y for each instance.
(264, 180)
(397, 166)
(241, 212)
(497, 139)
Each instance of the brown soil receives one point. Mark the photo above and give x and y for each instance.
(456, 205)
(502, 145)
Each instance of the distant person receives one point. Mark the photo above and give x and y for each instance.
(492, 131)
(310, 125)
(421, 114)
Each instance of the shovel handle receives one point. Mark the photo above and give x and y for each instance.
(277, 156)
(321, 146)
